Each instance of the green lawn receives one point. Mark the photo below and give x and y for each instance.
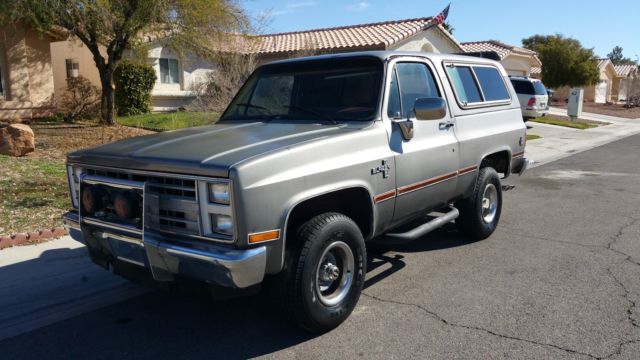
(169, 121)
(533, 137)
(34, 192)
(578, 124)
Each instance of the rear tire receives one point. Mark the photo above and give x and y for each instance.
(324, 272)
(480, 213)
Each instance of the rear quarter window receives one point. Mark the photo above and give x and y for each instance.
(464, 84)
(492, 84)
(477, 85)
(523, 87)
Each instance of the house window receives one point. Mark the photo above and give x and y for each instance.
(73, 68)
(169, 71)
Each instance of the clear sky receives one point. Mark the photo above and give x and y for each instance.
(596, 24)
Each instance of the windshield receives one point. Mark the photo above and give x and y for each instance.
(326, 90)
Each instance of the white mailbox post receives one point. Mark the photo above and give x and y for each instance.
(574, 109)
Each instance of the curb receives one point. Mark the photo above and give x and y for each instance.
(24, 238)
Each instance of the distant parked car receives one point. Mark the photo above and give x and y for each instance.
(550, 93)
(533, 97)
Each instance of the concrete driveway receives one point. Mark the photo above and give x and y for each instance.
(559, 279)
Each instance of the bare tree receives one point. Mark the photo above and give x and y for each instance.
(232, 69)
(219, 86)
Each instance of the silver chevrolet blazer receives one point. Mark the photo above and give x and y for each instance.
(312, 160)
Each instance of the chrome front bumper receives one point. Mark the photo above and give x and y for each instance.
(167, 258)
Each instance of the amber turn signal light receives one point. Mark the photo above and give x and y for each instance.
(264, 236)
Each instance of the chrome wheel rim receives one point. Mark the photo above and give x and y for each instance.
(489, 203)
(334, 274)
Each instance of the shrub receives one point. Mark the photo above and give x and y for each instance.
(134, 82)
(81, 100)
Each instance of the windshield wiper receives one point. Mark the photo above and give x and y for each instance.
(252, 106)
(264, 117)
(313, 112)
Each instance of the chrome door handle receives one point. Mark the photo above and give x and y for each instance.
(445, 125)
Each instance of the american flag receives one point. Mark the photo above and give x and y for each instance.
(439, 19)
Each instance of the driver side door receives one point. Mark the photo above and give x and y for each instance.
(427, 164)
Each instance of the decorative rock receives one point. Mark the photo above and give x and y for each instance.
(17, 140)
(19, 238)
(5, 242)
(59, 231)
(46, 234)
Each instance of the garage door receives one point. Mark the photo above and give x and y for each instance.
(601, 92)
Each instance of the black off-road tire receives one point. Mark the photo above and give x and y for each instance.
(297, 283)
(471, 221)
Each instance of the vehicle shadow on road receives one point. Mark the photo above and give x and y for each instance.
(188, 324)
(385, 259)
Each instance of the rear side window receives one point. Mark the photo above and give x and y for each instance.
(523, 87)
(464, 83)
(539, 88)
(491, 83)
(475, 85)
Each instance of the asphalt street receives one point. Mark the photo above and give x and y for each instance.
(559, 279)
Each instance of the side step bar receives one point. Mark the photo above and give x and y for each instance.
(417, 232)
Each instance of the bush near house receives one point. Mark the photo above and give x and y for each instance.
(81, 100)
(134, 82)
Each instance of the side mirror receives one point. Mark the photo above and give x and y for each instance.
(430, 108)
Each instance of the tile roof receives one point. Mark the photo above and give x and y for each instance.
(625, 70)
(501, 48)
(603, 62)
(366, 36)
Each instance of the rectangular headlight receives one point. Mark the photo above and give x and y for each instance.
(219, 193)
(222, 224)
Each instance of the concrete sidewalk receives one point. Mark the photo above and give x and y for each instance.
(558, 142)
(49, 282)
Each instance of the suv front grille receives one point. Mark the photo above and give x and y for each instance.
(170, 203)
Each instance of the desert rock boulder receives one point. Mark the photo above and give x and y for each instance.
(17, 140)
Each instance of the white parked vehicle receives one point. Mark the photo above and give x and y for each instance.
(533, 97)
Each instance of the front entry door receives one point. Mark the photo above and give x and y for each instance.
(427, 164)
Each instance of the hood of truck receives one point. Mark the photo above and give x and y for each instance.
(207, 150)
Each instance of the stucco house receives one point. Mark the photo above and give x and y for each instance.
(516, 61)
(622, 81)
(599, 93)
(177, 76)
(26, 76)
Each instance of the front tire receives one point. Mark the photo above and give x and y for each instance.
(480, 213)
(324, 272)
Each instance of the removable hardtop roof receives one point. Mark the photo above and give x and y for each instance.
(388, 55)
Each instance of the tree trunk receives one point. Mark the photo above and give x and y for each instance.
(107, 104)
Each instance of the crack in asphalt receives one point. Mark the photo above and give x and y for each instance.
(617, 237)
(630, 311)
(627, 295)
(476, 328)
